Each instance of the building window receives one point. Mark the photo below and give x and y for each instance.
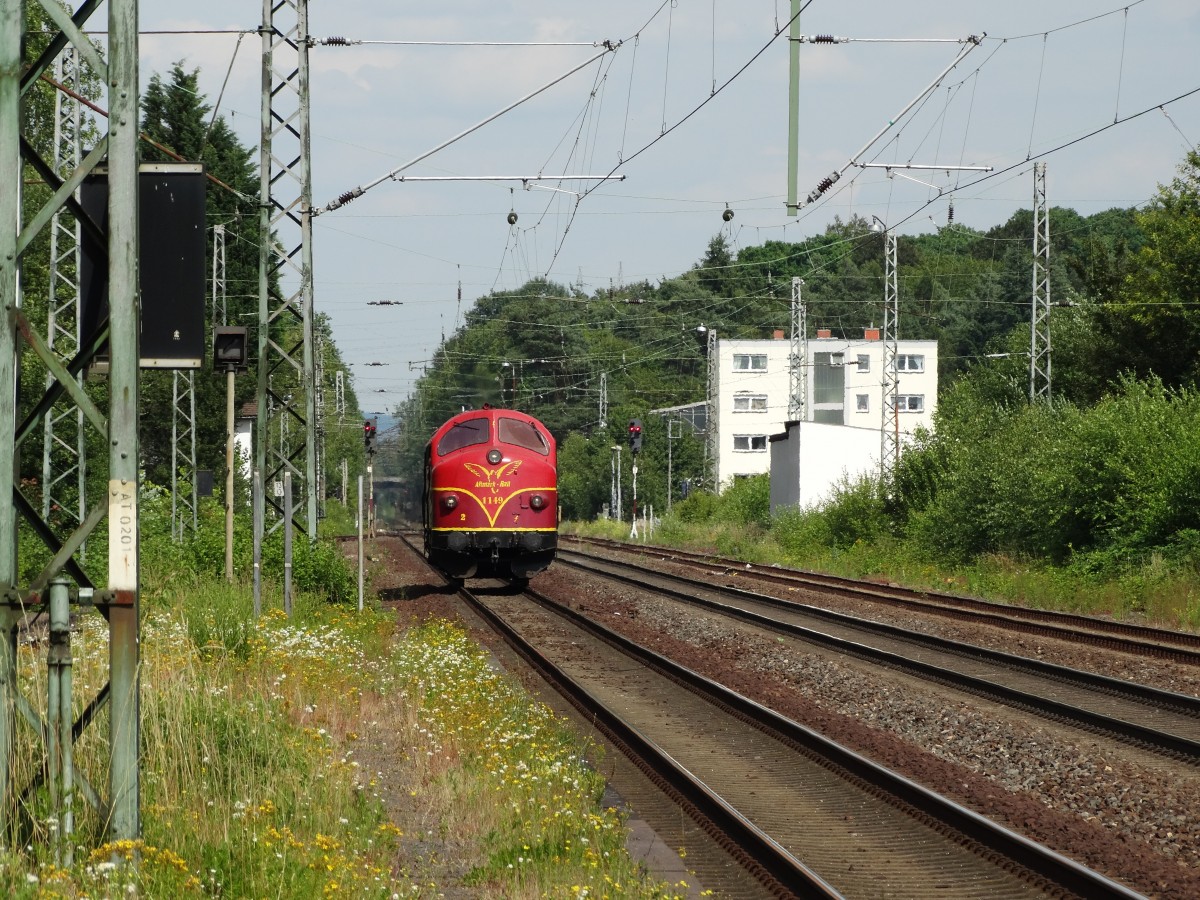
(750, 403)
(864, 362)
(750, 443)
(911, 403)
(863, 402)
(750, 362)
(829, 380)
(910, 362)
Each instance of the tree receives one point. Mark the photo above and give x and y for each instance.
(716, 269)
(181, 126)
(1154, 322)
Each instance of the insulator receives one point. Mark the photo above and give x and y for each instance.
(823, 185)
(727, 215)
(345, 198)
(824, 39)
(512, 218)
(336, 42)
(950, 213)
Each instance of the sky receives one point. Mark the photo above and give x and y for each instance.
(691, 106)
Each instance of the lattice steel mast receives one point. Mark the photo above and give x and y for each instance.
(798, 355)
(184, 512)
(286, 372)
(889, 431)
(64, 460)
(1039, 324)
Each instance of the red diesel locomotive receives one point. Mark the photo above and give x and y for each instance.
(490, 501)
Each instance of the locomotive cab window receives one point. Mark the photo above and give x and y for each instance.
(464, 434)
(523, 434)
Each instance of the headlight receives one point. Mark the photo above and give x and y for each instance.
(494, 456)
(537, 501)
(449, 501)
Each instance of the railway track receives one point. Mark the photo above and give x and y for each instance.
(1144, 641)
(804, 815)
(1161, 721)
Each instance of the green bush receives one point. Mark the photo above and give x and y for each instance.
(318, 567)
(802, 533)
(700, 506)
(747, 501)
(855, 513)
(1114, 482)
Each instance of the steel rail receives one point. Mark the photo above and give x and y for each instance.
(1180, 747)
(1032, 856)
(1141, 640)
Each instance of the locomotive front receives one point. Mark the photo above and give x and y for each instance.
(491, 495)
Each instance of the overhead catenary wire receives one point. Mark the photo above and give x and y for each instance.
(681, 121)
(971, 42)
(1121, 65)
(1075, 24)
(1083, 137)
(355, 42)
(224, 84)
(1037, 95)
(1190, 144)
(609, 47)
(1003, 41)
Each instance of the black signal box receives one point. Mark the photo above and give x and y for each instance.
(172, 248)
(229, 348)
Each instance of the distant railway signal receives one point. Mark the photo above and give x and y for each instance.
(635, 435)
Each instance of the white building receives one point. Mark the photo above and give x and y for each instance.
(844, 390)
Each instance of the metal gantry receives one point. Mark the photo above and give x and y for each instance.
(889, 431)
(115, 67)
(286, 349)
(1039, 323)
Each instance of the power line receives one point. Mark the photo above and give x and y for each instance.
(351, 42)
(680, 122)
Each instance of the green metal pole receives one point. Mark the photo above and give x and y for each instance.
(12, 29)
(793, 108)
(124, 823)
(257, 494)
(230, 427)
(287, 543)
(59, 719)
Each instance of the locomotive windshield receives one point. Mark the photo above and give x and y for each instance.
(523, 434)
(464, 434)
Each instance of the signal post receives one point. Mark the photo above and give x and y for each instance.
(635, 447)
(370, 428)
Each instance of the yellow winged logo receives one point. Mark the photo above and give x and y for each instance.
(490, 478)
